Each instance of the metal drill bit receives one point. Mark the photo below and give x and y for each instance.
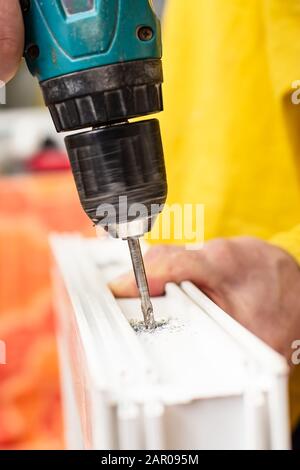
(141, 280)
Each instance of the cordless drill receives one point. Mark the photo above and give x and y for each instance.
(99, 64)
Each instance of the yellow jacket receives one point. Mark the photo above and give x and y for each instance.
(231, 132)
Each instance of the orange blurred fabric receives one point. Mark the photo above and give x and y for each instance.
(30, 208)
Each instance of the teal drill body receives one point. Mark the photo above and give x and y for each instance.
(74, 35)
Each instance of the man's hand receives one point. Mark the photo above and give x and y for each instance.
(255, 282)
(11, 38)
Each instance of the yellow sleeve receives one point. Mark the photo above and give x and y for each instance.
(289, 241)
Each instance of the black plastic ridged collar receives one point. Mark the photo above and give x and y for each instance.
(111, 93)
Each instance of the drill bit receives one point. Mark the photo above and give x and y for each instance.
(141, 280)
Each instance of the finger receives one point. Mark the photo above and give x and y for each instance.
(125, 285)
(169, 264)
(161, 250)
(11, 38)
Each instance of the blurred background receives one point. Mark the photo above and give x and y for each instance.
(37, 196)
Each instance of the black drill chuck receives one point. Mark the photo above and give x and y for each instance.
(116, 161)
(113, 162)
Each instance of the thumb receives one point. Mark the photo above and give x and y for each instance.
(156, 257)
(163, 266)
(11, 38)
